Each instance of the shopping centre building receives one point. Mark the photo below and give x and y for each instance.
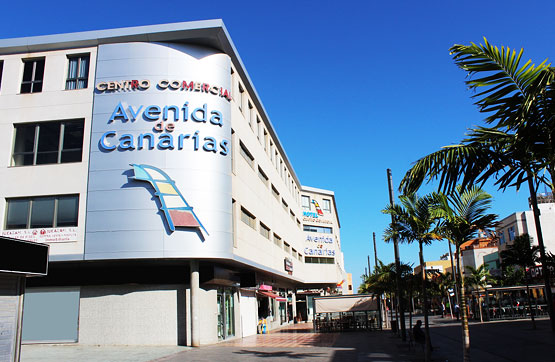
(145, 159)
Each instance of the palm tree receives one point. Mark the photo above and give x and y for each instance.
(463, 214)
(445, 281)
(519, 101)
(414, 221)
(381, 282)
(478, 278)
(520, 253)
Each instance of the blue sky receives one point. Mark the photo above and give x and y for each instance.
(353, 88)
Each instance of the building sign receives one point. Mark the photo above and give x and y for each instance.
(288, 265)
(164, 84)
(160, 153)
(176, 209)
(537, 271)
(319, 239)
(45, 235)
(167, 119)
(324, 246)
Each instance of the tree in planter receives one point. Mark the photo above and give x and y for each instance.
(523, 255)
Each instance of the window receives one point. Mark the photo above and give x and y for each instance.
(246, 154)
(277, 240)
(265, 139)
(78, 72)
(502, 238)
(284, 204)
(300, 256)
(286, 247)
(250, 115)
(275, 192)
(299, 223)
(42, 212)
(306, 202)
(47, 142)
(241, 96)
(511, 232)
(264, 231)
(1, 69)
(248, 218)
(262, 176)
(33, 73)
(317, 229)
(326, 205)
(318, 260)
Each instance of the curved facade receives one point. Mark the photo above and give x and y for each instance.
(145, 159)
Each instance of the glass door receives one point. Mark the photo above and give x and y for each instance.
(226, 313)
(221, 315)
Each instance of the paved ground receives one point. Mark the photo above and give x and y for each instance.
(491, 342)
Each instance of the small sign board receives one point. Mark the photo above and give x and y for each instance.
(23, 257)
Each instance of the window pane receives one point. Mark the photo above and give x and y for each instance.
(73, 135)
(18, 211)
(26, 88)
(39, 72)
(42, 213)
(23, 159)
(49, 142)
(72, 69)
(67, 211)
(28, 71)
(24, 138)
(49, 136)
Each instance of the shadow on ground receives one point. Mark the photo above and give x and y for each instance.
(279, 354)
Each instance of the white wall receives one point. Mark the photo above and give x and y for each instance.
(249, 313)
(52, 104)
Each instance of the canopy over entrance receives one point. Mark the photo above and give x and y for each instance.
(345, 303)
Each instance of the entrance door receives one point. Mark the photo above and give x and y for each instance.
(221, 316)
(226, 313)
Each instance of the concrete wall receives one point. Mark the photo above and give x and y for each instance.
(132, 314)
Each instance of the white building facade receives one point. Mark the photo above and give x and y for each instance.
(145, 159)
(520, 223)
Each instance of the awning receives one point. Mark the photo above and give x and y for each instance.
(279, 298)
(345, 304)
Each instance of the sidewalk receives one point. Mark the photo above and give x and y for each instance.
(491, 342)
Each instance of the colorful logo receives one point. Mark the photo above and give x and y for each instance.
(176, 209)
(317, 206)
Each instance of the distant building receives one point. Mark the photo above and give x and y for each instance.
(522, 222)
(474, 251)
(438, 266)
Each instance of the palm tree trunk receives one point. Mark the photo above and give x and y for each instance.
(463, 311)
(480, 306)
(530, 302)
(543, 257)
(455, 273)
(428, 348)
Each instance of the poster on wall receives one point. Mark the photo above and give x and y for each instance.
(45, 235)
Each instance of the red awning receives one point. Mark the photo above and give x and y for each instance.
(279, 298)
